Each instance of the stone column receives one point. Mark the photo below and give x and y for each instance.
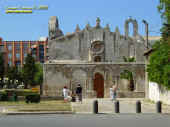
(136, 84)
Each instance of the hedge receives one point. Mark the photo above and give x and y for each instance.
(19, 92)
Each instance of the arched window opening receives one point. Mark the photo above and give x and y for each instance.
(97, 59)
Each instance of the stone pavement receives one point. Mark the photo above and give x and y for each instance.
(127, 105)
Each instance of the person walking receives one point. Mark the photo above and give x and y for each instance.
(111, 93)
(79, 92)
(114, 94)
(65, 93)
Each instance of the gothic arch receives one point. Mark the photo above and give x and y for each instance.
(135, 27)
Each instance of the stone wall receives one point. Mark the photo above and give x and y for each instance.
(58, 75)
(157, 92)
(78, 45)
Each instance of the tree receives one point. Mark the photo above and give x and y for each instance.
(126, 74)
(159, 61)
(29, 71)
(12, 74)
(39, 74)
(2, 69)
(159, 64)
(164, 9)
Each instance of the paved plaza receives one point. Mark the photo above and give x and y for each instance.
(127, 105)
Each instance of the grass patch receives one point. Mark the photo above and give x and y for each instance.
(21, 106)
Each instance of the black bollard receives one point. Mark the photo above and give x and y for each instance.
(116, 106)
(95, 107)
(138, 107)
(159, 107)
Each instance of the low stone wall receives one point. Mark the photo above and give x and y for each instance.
(120, 94)
(129, 94)
(158, 93)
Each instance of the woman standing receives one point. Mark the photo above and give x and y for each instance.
(65, 93)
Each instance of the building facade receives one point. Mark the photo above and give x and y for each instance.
(16, 51)
(93, 57)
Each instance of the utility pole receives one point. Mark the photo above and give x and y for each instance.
(146, 62)
(147, 32)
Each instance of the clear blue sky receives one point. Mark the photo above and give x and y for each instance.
(72, 12)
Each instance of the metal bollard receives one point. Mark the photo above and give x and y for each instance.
(95, 107)
(116, 106)
(159, 107)
(138, 107)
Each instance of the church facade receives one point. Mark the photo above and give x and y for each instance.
(93, 57)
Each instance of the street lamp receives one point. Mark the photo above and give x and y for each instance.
(146, 31)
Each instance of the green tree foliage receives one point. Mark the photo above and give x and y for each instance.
(164, 9)
(130, 59)
(2, 69)
(39, 74)
(12, 74)
(29, 71)
(159, 61)
(159, 64)
(2, 66)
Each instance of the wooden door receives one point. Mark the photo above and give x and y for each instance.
(99, 85)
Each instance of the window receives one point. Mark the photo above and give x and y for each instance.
(17, 46)
(97, 59)
(25, 55)
(25, 45)
(18, 55)
(9, 55)
(9, 47)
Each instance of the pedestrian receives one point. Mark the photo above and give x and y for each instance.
(114, 90)
(111, 93)
(79, 92)
(65, 93)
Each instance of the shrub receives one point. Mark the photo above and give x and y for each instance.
(19, 92)
(33, 98)
(3, 96)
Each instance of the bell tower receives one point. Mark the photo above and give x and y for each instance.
(53, 27)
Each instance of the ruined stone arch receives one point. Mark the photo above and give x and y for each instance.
(131, 69)
(135, 27)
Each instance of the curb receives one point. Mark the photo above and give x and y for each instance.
(37, 113)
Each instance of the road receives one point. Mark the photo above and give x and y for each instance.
(86, 120)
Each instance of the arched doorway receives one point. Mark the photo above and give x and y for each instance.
(99, 85)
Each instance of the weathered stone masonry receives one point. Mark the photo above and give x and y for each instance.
(92, 57)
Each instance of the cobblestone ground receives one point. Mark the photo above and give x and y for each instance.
(127, 105)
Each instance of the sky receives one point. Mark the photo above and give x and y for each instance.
(72, 12)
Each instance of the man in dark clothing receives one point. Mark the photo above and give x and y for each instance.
(79, 92)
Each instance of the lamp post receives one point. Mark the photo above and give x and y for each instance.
(146, 61)
(146, 31)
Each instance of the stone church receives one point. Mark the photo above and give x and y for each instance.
(93, 57)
